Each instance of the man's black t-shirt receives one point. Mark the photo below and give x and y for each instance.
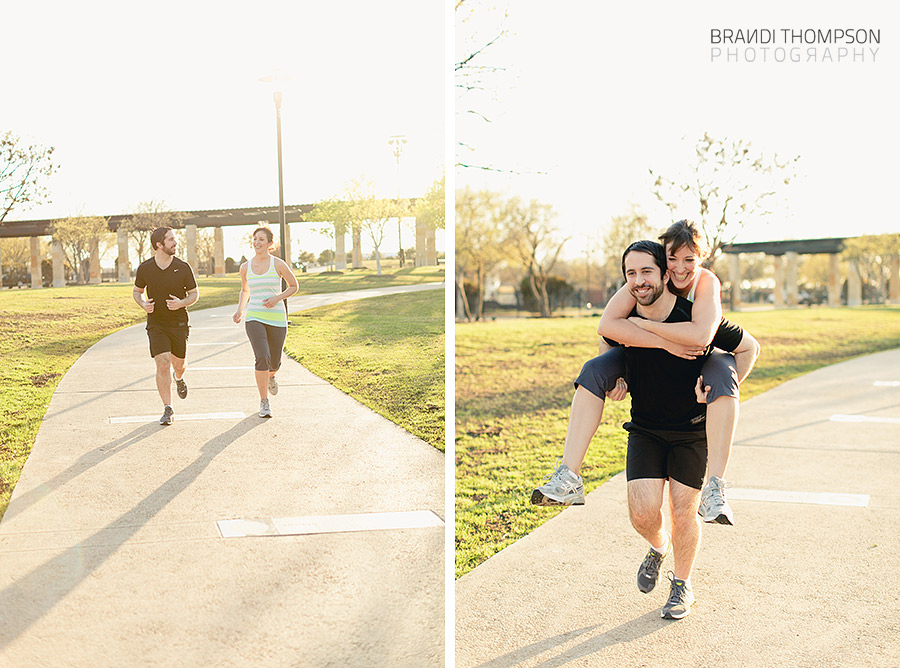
(176, 279)
(662, 385)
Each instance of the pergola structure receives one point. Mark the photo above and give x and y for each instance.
(784, 255)
(426, 252)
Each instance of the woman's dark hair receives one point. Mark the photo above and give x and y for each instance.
(267, 232)
(684, 233)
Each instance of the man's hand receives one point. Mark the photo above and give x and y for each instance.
(619, 391)
(174, 303)
(147, 306)
(683, 351)
(701, 390)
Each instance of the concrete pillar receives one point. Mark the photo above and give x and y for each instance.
(219, 251)
(94, 276)
(420, 244)
(190, 240)
(734, 274)
(430, 248)
(834, 279)
(124, 266)
(59, 268)
(36, 281)
(894, 289)
(340, 255)
(854, 285)
(778, 261)
(790, 280)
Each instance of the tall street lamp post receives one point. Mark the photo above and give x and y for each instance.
(396, 143)
(282, 225)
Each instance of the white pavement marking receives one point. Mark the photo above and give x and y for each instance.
(220, 368)
(220, 343)
(231, 327)
(314, 524)
(837, 417)
(233, 415)
(887, 383)
(818, 498)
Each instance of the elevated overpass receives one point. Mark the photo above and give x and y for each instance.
(191, 221)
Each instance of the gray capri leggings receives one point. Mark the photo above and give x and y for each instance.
(598, 375)
(267, 342)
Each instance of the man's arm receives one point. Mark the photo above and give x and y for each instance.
(706, 315)
(138, 295)
(173, 303)
(615, 325)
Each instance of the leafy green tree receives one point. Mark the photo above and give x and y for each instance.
(872, 254)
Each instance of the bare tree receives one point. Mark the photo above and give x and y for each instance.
(536, 244)
(76, 235)
(206, 248)
(728, 184)
(22, 172)
(146, 218)
(481, 244)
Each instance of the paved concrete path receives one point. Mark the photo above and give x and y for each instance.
(795, 583)
(110, 551)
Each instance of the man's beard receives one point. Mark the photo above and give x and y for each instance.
(169, 251)
(650, 297)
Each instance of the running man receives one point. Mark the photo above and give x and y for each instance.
(170, 287)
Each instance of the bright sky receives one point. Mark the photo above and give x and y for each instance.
(161, 100)
(594, 94)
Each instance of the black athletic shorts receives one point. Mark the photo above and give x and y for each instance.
(168, 338)
(659, 453)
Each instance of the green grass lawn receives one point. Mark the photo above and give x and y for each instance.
(43, 332)
(386, 352)
(514, 387)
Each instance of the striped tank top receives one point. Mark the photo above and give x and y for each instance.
(693, 291)
(263, 286)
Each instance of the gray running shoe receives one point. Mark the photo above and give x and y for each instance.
(648, 573)
(563, 488)
(264, 410)
(681, 598)
(167, 415)
(713, 506)
(273, 386)
(181, 386)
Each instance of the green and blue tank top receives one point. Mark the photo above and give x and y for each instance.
(263, 286)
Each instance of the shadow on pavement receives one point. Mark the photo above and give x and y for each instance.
(36, 593)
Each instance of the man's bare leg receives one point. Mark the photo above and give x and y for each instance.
(163, 377)
(683, 502)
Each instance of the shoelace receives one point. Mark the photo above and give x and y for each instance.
(678, 592)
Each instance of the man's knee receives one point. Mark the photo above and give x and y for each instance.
(163, 360)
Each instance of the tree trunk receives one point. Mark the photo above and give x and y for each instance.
(462, 302)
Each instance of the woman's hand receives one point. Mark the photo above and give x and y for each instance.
(237, 317)
(683, 351)
(619, 391)
(270, 302)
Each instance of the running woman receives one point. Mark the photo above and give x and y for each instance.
(171, 287)
(266, 317)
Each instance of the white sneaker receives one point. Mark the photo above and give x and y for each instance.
(264, 409)
(564, 488)
(713, 505)
(273, 386)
